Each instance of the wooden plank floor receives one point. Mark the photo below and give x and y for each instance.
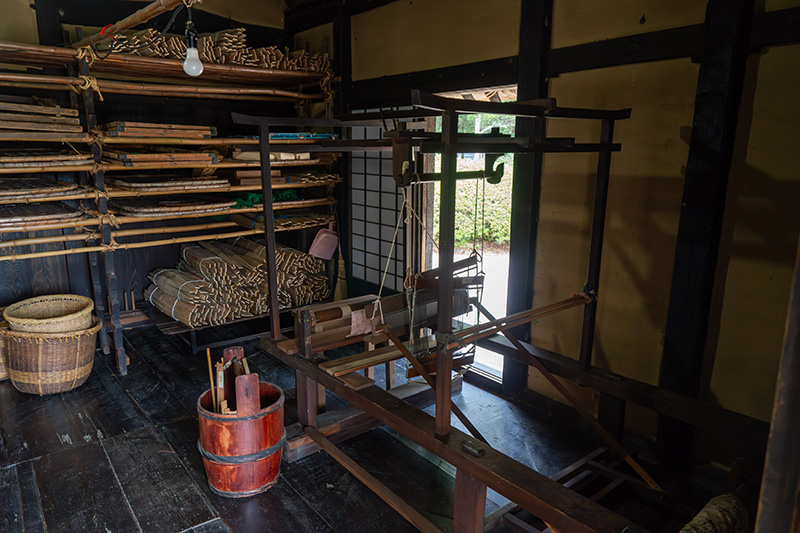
(119, 454)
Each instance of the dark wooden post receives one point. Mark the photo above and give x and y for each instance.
(534, 43)
(269, 231)
(719, 90)
(102, 207)
(469, 504)
(779, 504)
(343, 67)
(444, 324)
(305, 387)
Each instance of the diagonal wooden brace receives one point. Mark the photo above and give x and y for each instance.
(612, 442)
(424, 373)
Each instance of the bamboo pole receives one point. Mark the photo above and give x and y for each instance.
(156, 89)
(56, 168)
(175, 229)
(55, 225)
(131, 65)
(139, 17)
(49, 240)
(128, 246)
(125, 193)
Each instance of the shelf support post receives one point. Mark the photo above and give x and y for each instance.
(102, 207)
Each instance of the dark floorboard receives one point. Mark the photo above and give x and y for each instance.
(30, 498)
(79, 491)
(160, 491)
(120, 454)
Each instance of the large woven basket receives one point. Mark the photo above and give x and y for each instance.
(3, 370)
(47, 363)
(54, 313)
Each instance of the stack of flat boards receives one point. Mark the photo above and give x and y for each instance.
(150, 129)
(253, 177)
(29, 159)
(37, 120)
(161, 183)
(186, 205)
(28, 187)
(172, 158)
(299, 219)
(33, 214)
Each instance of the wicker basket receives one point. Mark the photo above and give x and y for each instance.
(54, 313)
(47, 363)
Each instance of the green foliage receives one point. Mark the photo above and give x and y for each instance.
(494, 224)
(493, 213)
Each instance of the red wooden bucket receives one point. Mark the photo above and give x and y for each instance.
(242, 454)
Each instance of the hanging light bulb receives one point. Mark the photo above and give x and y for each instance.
(192, 64)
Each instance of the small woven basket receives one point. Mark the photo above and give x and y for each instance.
(54, 313)
(48, 363)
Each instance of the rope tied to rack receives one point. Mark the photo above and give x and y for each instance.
(100, 194)
(325, 85)
(113, 245)
(87, 53)
(90, 83)
(108, 218)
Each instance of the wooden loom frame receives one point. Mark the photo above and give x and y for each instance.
(478, 465)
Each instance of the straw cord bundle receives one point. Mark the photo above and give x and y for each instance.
(225, 47)
(218, 282)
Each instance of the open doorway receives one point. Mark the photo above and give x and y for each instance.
(483, 216)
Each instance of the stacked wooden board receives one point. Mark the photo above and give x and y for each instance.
(32, 158)
(159, 207)
(166, 183)
(34, 214)
(29, 187)
(218, 282)
(42, 117)
(150, 129)
(296, 220)
(172, 158)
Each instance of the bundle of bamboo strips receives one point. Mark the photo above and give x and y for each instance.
(217, 282)
(225, 47)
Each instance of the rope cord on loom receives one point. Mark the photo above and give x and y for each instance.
(411, 289)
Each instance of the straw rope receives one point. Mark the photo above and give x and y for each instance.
(90, 83)
(87, 53)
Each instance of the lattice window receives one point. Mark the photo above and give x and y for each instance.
(376, 203)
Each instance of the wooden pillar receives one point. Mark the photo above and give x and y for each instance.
(109, 255)
(343, 67)
(779, 504)
(469, 504)
(719, 89)
(534, 42)
(305, 387)
(447, 216)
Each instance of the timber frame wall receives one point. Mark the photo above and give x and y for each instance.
(721, 45)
